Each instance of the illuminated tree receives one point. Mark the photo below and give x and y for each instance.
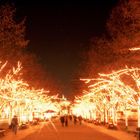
(117, 91)
(13, 48)
(21, 91)
(18, 97)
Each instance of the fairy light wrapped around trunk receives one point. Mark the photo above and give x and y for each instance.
(119, 93)
(18, 97)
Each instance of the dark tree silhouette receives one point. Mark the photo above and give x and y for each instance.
(113, 50)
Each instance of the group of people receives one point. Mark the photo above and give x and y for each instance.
(64, 119)
(79, 119)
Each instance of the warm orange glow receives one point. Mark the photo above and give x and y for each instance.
(134, 49)
(18, 98)
(109, 93)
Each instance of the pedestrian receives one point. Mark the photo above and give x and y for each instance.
(75, 119)
(62, 119)
(14, 124)
(66, 120)
(70, 118)
(80, 119)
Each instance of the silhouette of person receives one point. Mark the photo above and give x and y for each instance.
(80, 119)
(14, 124)
(75, 119)
(62, 119)
(66, 120)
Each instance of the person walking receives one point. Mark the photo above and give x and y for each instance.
(80, 119)
(62, 119)
(66, 120)
(75, 119)
(14, 124)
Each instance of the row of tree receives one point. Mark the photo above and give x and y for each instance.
(116, 49)
(110, 97)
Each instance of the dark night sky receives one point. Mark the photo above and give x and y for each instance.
(59, 31)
